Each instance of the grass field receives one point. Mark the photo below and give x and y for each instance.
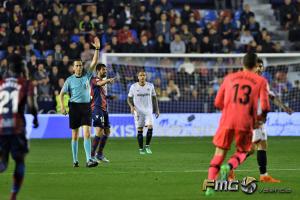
(175, 171)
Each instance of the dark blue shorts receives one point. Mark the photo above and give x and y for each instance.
(100, 119)
(16, 145)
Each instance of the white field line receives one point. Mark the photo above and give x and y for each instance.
(145, 172)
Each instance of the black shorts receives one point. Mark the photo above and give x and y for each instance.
(79, 115)
(16, 145)
(100, 119)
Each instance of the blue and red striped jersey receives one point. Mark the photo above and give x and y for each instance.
(13, 98)
(98, 94)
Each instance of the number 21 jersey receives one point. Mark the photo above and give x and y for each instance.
(13, 98)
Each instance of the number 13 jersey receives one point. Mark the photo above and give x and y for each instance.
(238, 99)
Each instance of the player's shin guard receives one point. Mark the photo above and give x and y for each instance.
(102, 144)
(74, 146)
(140, 139)
(95, 144)
(87, 148)
(149, 136)
(214, 167)
(237, 159)
(18, 177)
(262, 161)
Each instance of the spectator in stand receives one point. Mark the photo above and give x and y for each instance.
(245, 37)
(254, 27)
(209, 100)
(142, 17)
(160, 45)
(17, 38)
(186, 12)
(54, 78)
(193, 46)
(87, 53)
(288, 14)
(42, 80)
(155, 16)
(186, 35)
(32, 65)
(58, 54)
(246, 14)
(126, 16)
(4, 19)
(144, 46)
(124, 34)
(115, 46)
(49, 62)
(267, 45)
(226, 46)
(86, 24)
(206, 45)
(3, 67)
(226, 29)
(177, 45)
(162, 27)
(63, 67)
(173, 91)
(192, 24)
(277, 48)
(130, 46)
(74, 51)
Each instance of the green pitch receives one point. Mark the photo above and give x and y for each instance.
(175, 171)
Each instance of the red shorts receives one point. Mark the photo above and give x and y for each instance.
(243, 139)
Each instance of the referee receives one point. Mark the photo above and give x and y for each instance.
(78, 87)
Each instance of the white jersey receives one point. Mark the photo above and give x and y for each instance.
(271, 93)
(142, 97)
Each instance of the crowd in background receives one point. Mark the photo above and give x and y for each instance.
(51, 34)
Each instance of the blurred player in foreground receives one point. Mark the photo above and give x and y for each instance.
(141, 99)
(100, 112)
(15, 92)
(237, 98)
(78, 87)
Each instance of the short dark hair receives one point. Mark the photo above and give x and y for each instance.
(250, 60)
(259, 60)
(76, 60)
(99, 66)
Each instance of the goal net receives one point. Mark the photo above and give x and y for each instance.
(188, 83)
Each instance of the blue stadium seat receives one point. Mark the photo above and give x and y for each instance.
(2, 54)
(48, 52)
(237, 15)
(37, 53)
(210, 15)
(75, 38)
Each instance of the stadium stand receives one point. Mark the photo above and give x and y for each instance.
(50, 34)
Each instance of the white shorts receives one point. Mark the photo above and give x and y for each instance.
(142, 120)
(259, 134)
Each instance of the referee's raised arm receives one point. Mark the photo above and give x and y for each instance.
(96, 44)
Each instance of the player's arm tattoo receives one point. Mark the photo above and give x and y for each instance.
(130, 102)
(155, 103)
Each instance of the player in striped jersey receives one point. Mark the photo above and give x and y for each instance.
(15, 92)
(100, 112)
